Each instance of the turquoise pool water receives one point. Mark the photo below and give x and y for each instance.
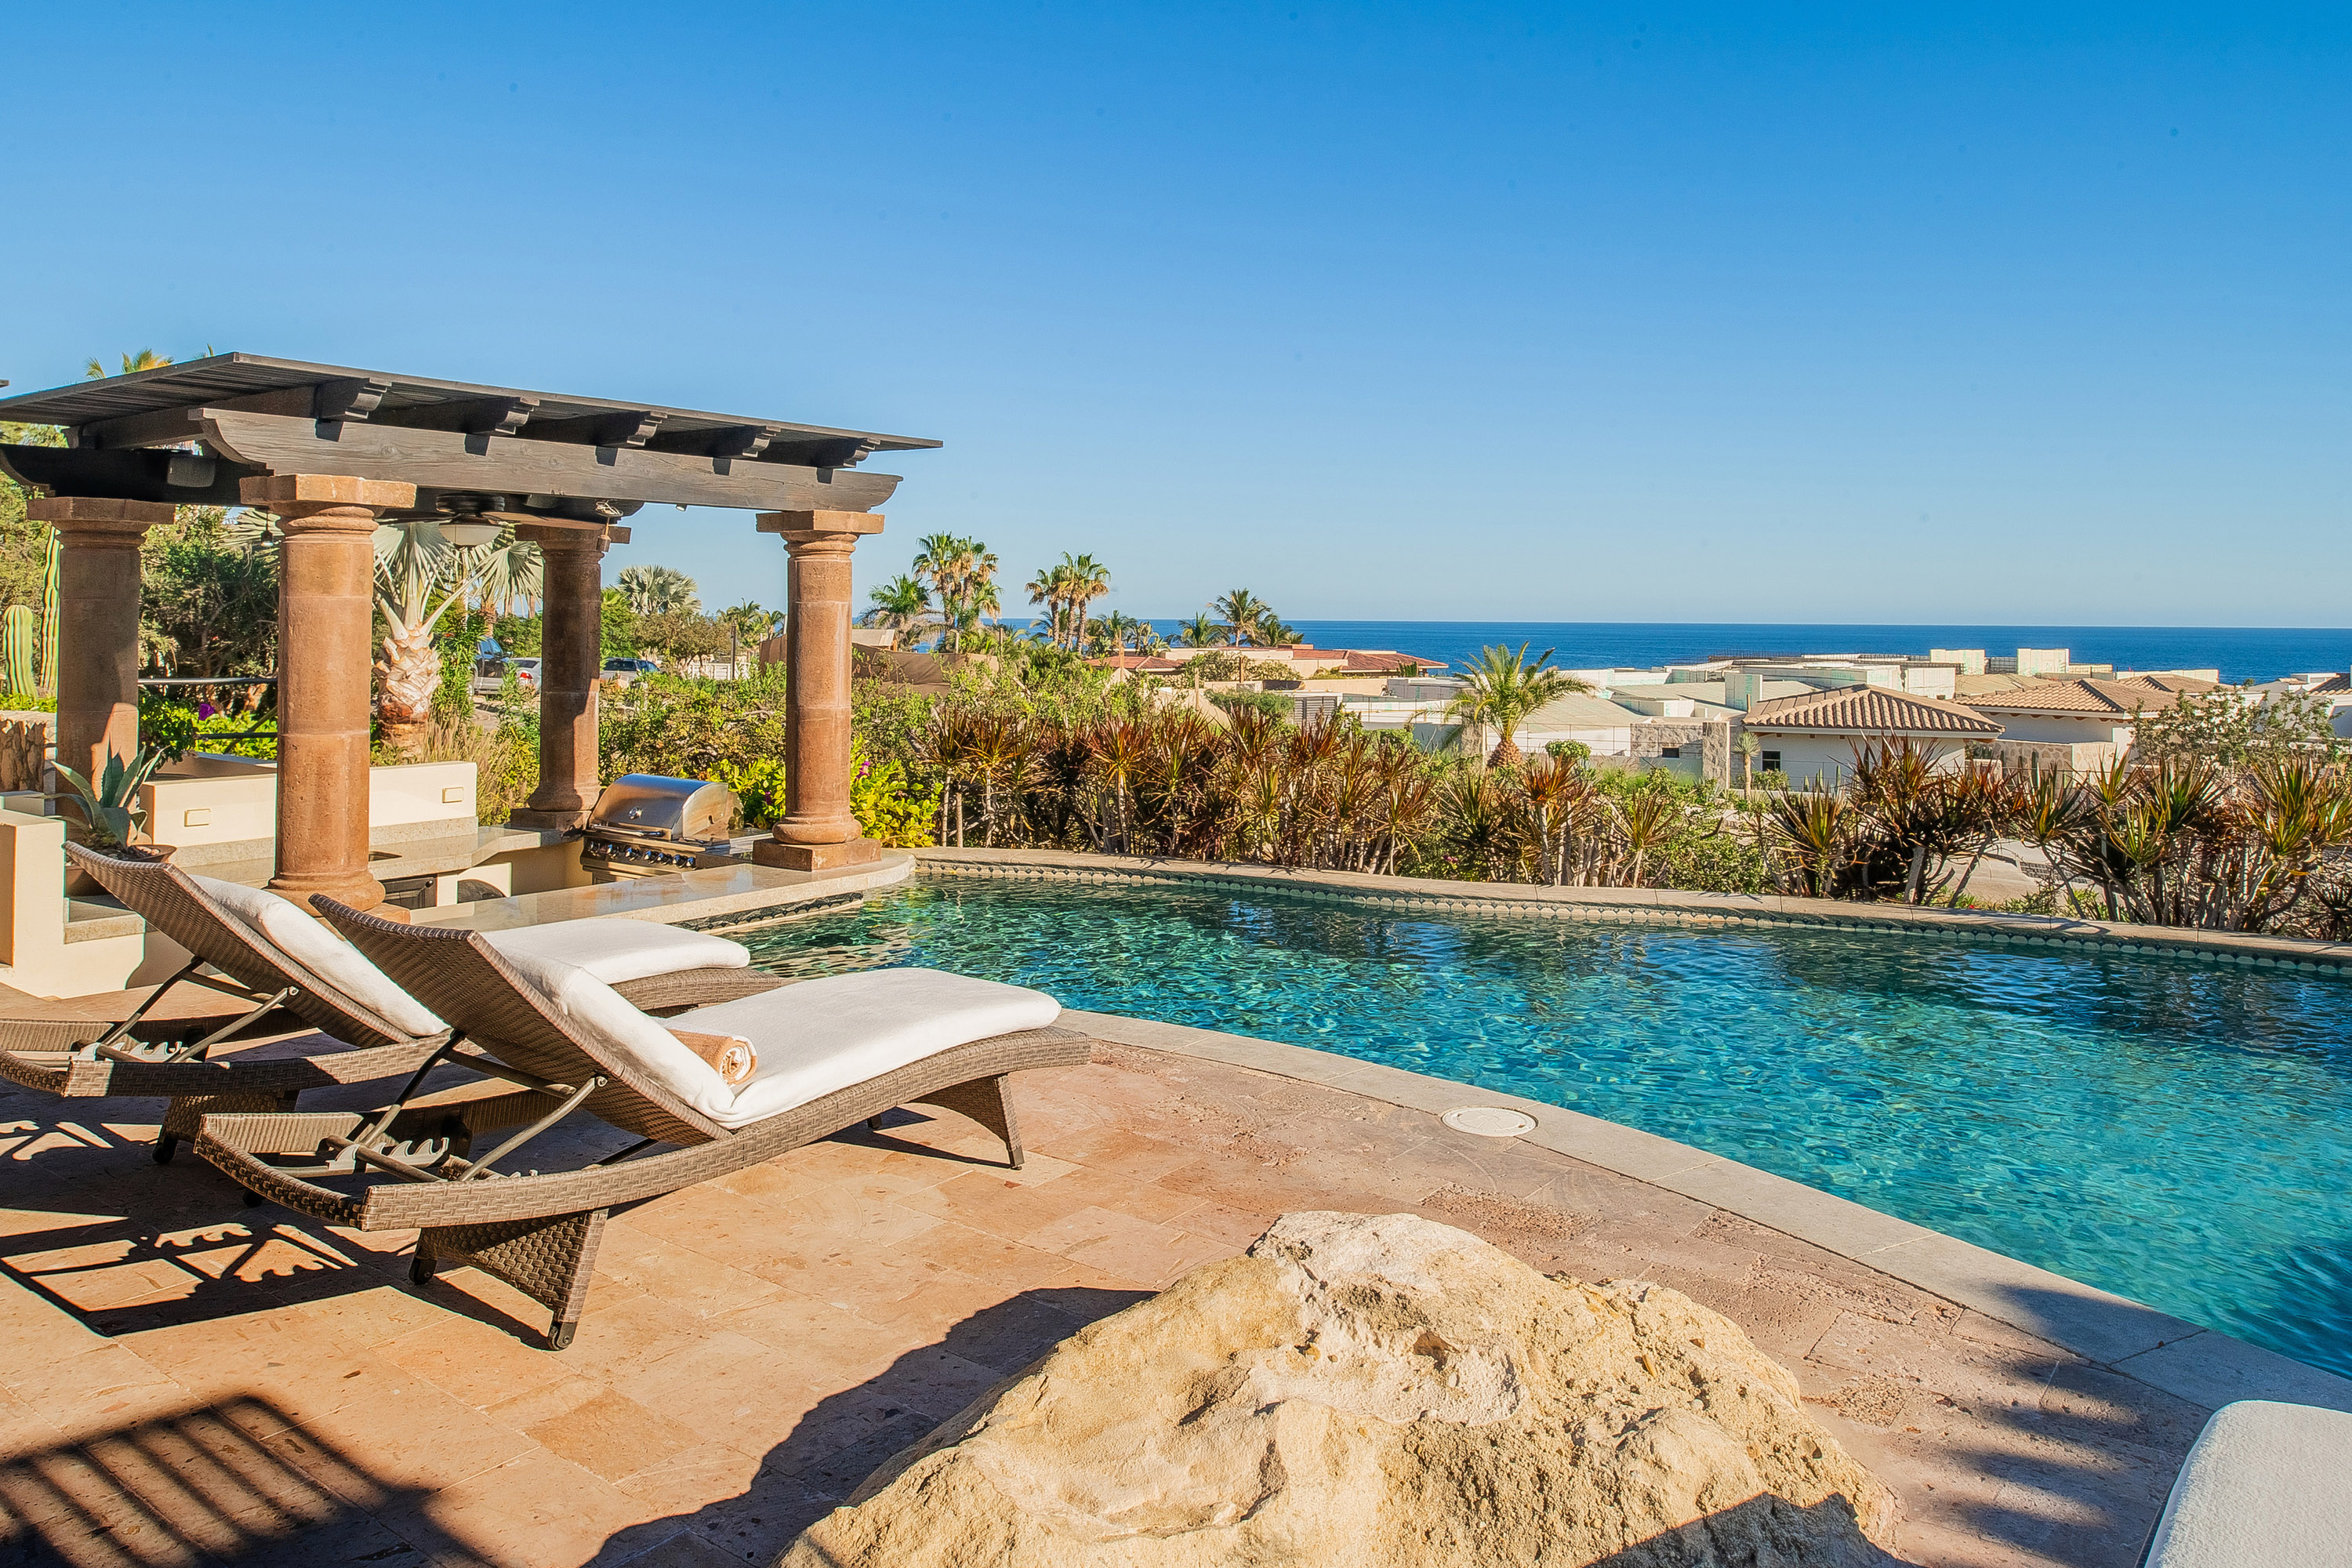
(2176, 1133)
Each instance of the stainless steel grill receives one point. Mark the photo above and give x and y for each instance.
(645, 822)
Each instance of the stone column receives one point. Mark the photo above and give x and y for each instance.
(570, 657)
(818, 832)
(326, 602)
(98, 624)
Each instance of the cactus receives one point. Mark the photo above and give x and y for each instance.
(19, 631)
(48, 687)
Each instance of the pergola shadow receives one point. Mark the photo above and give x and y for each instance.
(234, 1481)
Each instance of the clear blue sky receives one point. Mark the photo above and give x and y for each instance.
(1857, 313)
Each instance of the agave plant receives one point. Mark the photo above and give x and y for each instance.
(111, 812)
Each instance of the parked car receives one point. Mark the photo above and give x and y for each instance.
(624, 670)
(490, 675)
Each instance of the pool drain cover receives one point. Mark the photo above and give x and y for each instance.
(1489, 1122)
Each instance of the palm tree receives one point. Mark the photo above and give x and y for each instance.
(1201, 631)
(963, 572)
(659, 591)
(747, 620)
(981, 599)
(980, 580)
(1271, 633)
(1088, 580)
(415, 566)
(1117, 631)
(145, 359)
(1242, 610)
(903, 605)
(1502, 688)
(1050, 588)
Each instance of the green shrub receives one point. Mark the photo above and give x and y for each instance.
(889, 809)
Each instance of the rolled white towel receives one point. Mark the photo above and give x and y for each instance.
(732, 1057)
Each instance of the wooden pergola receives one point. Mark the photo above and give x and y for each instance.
(334, 451)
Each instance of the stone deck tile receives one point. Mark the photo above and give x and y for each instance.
(753, 1347)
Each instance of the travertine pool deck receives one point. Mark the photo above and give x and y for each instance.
(187, 1380)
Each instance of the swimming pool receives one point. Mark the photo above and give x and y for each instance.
(2175, 1131)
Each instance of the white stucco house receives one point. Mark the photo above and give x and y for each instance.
(1812, 739)
(2081, 724)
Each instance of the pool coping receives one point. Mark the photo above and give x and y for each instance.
(2204, 1366)
(1642, 905)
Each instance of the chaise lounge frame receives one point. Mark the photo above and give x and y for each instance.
(539, 1232)
(83, 1059)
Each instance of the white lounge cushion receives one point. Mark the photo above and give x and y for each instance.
(2265, 1484)
(826, 1035)
(309, 942)
(605, 1020)
(618, 951)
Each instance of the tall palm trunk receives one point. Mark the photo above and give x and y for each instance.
(407, 672)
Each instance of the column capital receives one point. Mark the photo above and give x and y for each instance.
(100, 516)
(279, 493)
(593, 540)
(796, 526)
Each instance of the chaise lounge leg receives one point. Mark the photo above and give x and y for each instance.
(184, 1117)
(984, 1099)
(422, 1266)
(548, 1259)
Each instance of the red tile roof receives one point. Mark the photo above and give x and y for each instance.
(2099, 699)
(1382, 662)
(1869, 709)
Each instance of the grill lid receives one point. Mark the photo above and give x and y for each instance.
(647, 806)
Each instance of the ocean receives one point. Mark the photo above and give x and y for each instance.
(2240, 653)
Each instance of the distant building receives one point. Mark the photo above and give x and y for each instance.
(2077, 726)
(1133, 664)
(1306, 662)
(1812, 739)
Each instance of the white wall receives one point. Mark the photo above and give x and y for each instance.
(1810, 757)
(2069, 729)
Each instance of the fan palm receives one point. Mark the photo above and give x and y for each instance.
(1502, 689)
(659, 590)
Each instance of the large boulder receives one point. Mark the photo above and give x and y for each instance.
(1379, 1391)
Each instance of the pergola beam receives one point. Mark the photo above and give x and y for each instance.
(519, 466)
(178, 478)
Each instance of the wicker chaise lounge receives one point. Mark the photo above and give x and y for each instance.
(292, 962)
(833, 1053)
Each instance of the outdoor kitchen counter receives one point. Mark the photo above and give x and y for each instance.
(393, 853)
(719, 896)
